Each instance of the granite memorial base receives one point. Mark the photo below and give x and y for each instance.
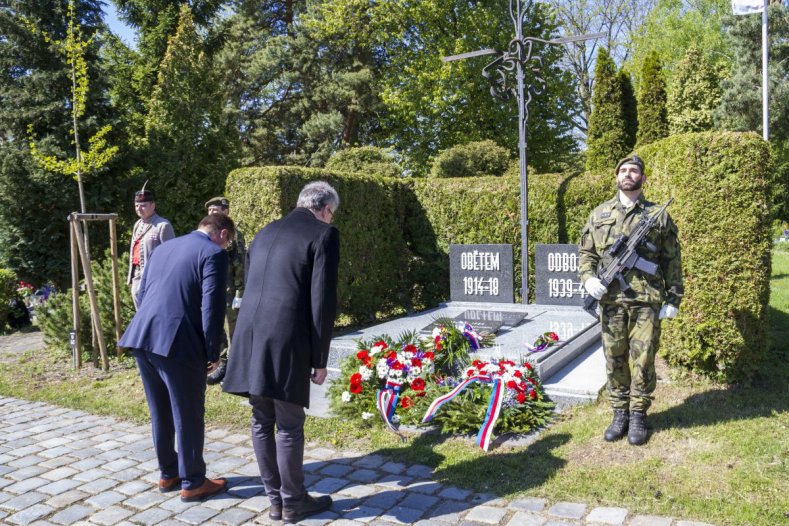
(572, 370)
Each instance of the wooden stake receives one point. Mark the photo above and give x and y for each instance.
(116, 289)
(94, 307)
(77, 352)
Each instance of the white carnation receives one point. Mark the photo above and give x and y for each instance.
(366, 415)
(346, 396)
(366, 373)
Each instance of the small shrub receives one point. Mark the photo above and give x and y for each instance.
(370, 160)
(473, 159)
(7, 295)
(55, 315)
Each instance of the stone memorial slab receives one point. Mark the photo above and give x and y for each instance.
(481, 273)
(556, 275)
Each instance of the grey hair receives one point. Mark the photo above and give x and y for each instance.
(317, 195)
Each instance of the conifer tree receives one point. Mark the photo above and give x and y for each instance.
(190, 147)
(695, 94)
(629, 108)
(653, 120)
(607, 140)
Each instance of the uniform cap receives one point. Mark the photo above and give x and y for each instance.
(635, 159)
(144, 196)
(218, 201)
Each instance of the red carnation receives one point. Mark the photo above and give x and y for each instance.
(527, 365)
(418, 384)
(356, 378)
(406, 402)
(521, 397)
(532, 394)
(511, 384)
(416, 362)
(356, 388)
(363, 354)
(517, 374)
(430, 355)
(380, 343)
(397, 366)
(392, 355)
(410, 348)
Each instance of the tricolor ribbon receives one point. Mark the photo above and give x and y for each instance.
(386, 401)
(472, 336)
(494, 406)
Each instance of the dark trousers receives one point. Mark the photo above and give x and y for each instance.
(175, 391)
(280, 460)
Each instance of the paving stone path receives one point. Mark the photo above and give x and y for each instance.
(62, 467)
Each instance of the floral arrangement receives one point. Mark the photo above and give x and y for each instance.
(515, 401)
(25, 290)
(406, 380)
(386, 375)
(546, 340)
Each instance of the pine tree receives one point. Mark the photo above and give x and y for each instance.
(189, 146)
(607, 140)
(695, 94)
(653, 120)
(35, 87)
(629, 108)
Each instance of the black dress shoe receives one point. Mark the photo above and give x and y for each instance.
(275, 512)
(309, 506)
(218, 375)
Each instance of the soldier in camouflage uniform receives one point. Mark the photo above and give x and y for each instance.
(631, 320)
(236, 277)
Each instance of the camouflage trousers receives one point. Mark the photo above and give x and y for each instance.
(231, 315)
(630, 341)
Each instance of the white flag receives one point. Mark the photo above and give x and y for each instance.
(747, 7)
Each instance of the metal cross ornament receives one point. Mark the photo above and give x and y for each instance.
(518, 58)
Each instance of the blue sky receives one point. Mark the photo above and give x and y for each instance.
(119, 28)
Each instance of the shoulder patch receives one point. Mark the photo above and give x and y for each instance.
(605, 215)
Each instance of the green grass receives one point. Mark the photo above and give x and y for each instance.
(717, 453)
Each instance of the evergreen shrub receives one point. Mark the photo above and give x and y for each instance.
(473, 159)
(55, 315)
(8, 286)
(372, 249)
(721, 184)
(365, 159)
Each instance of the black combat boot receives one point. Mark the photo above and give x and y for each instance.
(618, 426)
(637, 434)
(218, 375)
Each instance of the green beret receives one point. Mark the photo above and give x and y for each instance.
(218, 201)
(635, 159)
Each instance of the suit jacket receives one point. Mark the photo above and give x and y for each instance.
(155, 232)
(285, 324)
(182, 301)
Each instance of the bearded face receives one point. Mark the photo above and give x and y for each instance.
(629, 178)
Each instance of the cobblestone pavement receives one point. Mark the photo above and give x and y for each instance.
(62, 467)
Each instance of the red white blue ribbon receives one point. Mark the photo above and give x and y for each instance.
(386, 401)
(494, 406)
(472, 336)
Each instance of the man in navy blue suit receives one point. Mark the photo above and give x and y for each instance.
(176, 337)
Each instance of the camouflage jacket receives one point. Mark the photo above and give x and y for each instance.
(604, 225)
(236, 271)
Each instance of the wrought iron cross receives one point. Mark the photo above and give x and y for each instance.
(517, 58)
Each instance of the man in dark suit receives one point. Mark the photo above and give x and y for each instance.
(176, 336)
(282, 339)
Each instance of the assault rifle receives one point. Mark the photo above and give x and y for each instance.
(626, 258)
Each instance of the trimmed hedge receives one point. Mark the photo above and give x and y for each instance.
(722, 187)
(472, 159)
(396, 234)
(373, 254)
